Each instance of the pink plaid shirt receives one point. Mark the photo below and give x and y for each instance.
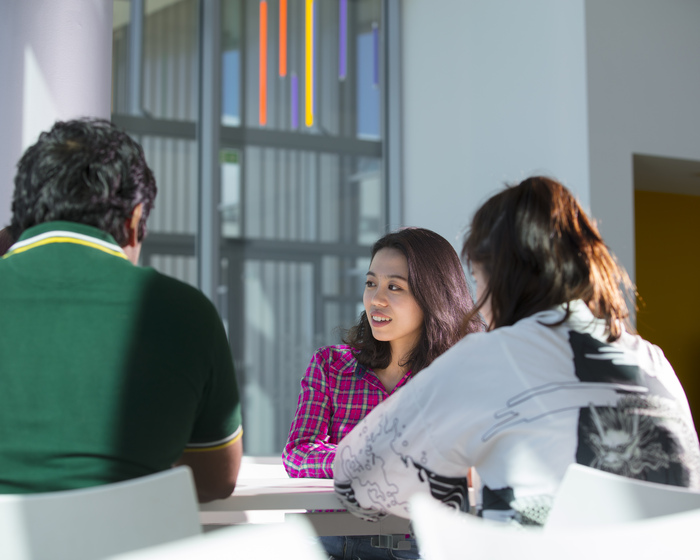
(336, 393)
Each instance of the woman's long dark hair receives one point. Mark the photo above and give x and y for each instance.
(437, 281)
(539, 249)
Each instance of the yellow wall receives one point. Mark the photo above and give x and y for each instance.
(668, 280)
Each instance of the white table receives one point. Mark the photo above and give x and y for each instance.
(277, 494)
(270, 500)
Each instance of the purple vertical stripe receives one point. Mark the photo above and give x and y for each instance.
(295, 101)
(343, 39)
(375, 41)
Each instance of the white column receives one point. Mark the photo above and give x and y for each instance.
(493, 91)
(55, 64)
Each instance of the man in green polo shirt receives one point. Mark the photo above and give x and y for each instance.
(108, 371)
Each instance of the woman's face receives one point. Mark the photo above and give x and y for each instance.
(393, 313)
(481, 280)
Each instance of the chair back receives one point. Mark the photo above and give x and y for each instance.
(446, 534)
(292, 540)
(96, 522)
(589, 497)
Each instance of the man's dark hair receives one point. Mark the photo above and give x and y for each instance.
(539, 249)
(86, 171)
(6, 240)
(437, 281)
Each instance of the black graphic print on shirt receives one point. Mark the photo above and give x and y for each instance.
(450, 491)
(383, 491)
(347, 495)
(526, 511)
(628, 437)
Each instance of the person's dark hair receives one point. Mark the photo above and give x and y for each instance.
(85, 171)
(539, 249)
(437, 281)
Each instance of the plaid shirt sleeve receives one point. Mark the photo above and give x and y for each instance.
(308, 452)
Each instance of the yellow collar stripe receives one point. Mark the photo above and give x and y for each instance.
(47, 241)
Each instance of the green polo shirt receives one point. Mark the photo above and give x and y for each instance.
(108, 371)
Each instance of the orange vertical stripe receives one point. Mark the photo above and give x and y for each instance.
(263, 63)
(283, 37)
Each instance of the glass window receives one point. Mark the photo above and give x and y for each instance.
(329, 69)
(299, 181)
(170, 59)
(231, 63)
(174, 164)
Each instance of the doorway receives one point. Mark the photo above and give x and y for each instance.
(667, 242)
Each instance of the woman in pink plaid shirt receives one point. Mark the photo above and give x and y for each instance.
(415, 300)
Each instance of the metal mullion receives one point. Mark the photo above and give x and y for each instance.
(156, 127)
(209, 119)
(316, 198)
(260, 192)
(344, 88)
(299, 141)
(391, 112)
(348, 159)
(351, 73)
(245, 79)
(154, 103)
(135, 57)
(169, 62)
(278, 188)
(179, 65)
(286, 179)
(295, 305)
(192, 72)
(165, 149)
(236, 309)
(170, 244)
(319, 308)
(286, 304)
(181, 149)
(242, 100)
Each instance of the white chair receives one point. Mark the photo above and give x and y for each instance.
(589, 497)
(96, 522)
(446, 534)
(293, 540)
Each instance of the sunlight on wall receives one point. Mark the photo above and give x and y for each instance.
(39, 106)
